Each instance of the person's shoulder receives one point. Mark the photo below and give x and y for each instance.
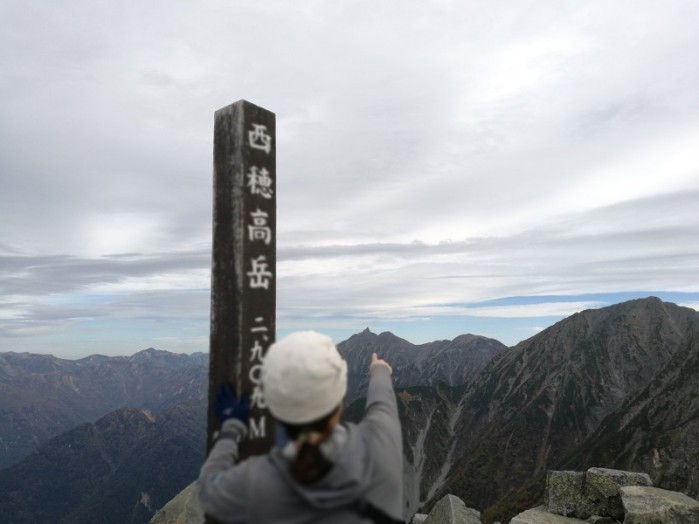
(350, 426)
(354, 432)
(260, 462)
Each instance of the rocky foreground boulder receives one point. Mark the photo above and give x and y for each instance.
(607, 496)
(595, 492)
(596, 496)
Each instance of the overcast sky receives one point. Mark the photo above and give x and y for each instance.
(444, 167)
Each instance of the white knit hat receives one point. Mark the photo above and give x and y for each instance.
(304, 377)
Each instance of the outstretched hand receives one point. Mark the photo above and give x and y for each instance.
(227, 405)
(376, 361)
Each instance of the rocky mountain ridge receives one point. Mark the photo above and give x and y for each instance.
(450, 362)
(614, 387)
(547, 400)
(42, 396)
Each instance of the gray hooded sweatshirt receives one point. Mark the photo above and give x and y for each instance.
(367, 472)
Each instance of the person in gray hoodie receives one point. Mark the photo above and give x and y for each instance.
(327, 472)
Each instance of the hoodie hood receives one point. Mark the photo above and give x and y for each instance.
(346, 481)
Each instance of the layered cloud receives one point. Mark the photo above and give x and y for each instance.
(432, 157)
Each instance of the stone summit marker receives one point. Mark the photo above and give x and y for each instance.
(243, 265)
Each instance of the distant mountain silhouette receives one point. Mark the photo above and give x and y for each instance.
(451, 362)
(42, 396)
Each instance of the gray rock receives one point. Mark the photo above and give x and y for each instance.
(418, 518)
(541, 516)
(593, 493)
(452, 510)
(602, 490)
(619, 478)
(596, 519)
(183, 509)
(648, 505)
(565, 494)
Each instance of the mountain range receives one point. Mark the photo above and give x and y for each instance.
(122, 468)
(102, 428)
(450, 362)
(42, 396)
(110, 436)
(613, 387)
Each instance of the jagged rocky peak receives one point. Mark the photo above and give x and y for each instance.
(453, 363)
(368, 341)
(367, 335)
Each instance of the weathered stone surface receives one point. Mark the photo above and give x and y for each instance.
(602, 490)
(541, 516)
(613, 479)
(452, 510)
(596, 519)
(565, 494)
(593, 493)
(418, 518)
(648, 505)
(183, 509)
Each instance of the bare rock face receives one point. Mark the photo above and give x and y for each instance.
(648, 505)
(452, 510)
(183, 509)
(614, 386)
